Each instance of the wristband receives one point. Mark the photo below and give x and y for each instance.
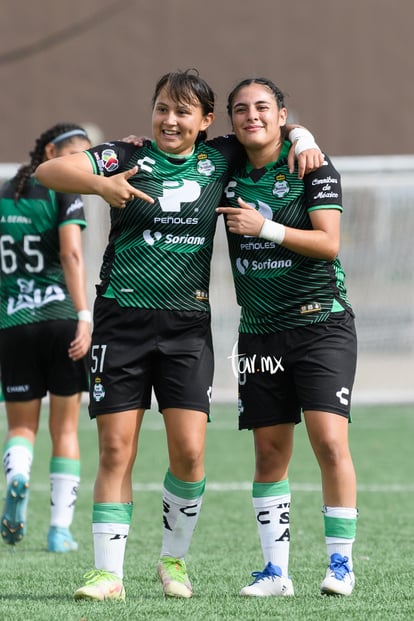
(303, 138)
(85, 315)
(273, 231)
(300, 132)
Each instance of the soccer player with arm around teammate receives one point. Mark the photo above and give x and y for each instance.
(298, 326)
(45, 334)
(152, 317)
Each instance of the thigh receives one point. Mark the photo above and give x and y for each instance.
(23, 418)
(118, 433)
(327, 429)
(64, 413)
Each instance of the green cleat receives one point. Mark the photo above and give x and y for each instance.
(101, 585)
(174, 577)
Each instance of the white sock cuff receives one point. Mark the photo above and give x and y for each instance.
(106, 528)
(349, 513)
(265, 502)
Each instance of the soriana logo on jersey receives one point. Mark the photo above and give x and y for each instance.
(109, 160)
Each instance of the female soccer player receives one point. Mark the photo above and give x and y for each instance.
(45, 334)
(152, 317)
(297, 341)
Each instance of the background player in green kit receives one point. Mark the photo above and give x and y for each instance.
(45, 334)
(152, 317)
(297, 341)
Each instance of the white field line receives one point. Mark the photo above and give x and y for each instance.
(243, 486)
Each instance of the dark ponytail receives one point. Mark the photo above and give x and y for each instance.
(60, 134)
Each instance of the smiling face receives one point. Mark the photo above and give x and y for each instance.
(176, 125)
(257, 119)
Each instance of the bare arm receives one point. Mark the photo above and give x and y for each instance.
(74, 173)
(71, 258)
(321, 242)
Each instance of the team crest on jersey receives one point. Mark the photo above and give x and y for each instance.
(281, 187)
(204, 165)
(109, 160)
(98, 390)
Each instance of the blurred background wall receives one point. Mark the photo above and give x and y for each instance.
(346, 65)
(347, 69)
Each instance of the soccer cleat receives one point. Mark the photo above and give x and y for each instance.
(339, 579)
(100, 585)
(174, 577)
(13, 521)
(268, 582)
(60, 540)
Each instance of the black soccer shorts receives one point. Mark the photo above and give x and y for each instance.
(34, 360)
(135, 351)
(307, 368)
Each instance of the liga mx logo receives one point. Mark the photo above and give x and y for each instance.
(109, 160)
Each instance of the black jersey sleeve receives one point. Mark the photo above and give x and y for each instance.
(70, 209)
(323, 187)
(111, 158)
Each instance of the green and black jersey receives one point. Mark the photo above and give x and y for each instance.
(276, 288)
(32, 283)
(158, 256)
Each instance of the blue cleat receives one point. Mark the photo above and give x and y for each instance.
(13, 521)
(60, 540)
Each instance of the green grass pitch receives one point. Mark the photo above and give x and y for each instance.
(38, 586)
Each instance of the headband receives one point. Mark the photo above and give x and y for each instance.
(69, 134)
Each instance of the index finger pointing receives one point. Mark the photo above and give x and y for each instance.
(227, 210)
(138, 194)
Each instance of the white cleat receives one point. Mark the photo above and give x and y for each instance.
(339, 579)
(268, 582)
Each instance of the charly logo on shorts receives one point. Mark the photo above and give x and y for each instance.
(98, 390)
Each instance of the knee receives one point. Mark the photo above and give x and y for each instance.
(116, 452)
(188, 463)
(192, 458)
(331, 452)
